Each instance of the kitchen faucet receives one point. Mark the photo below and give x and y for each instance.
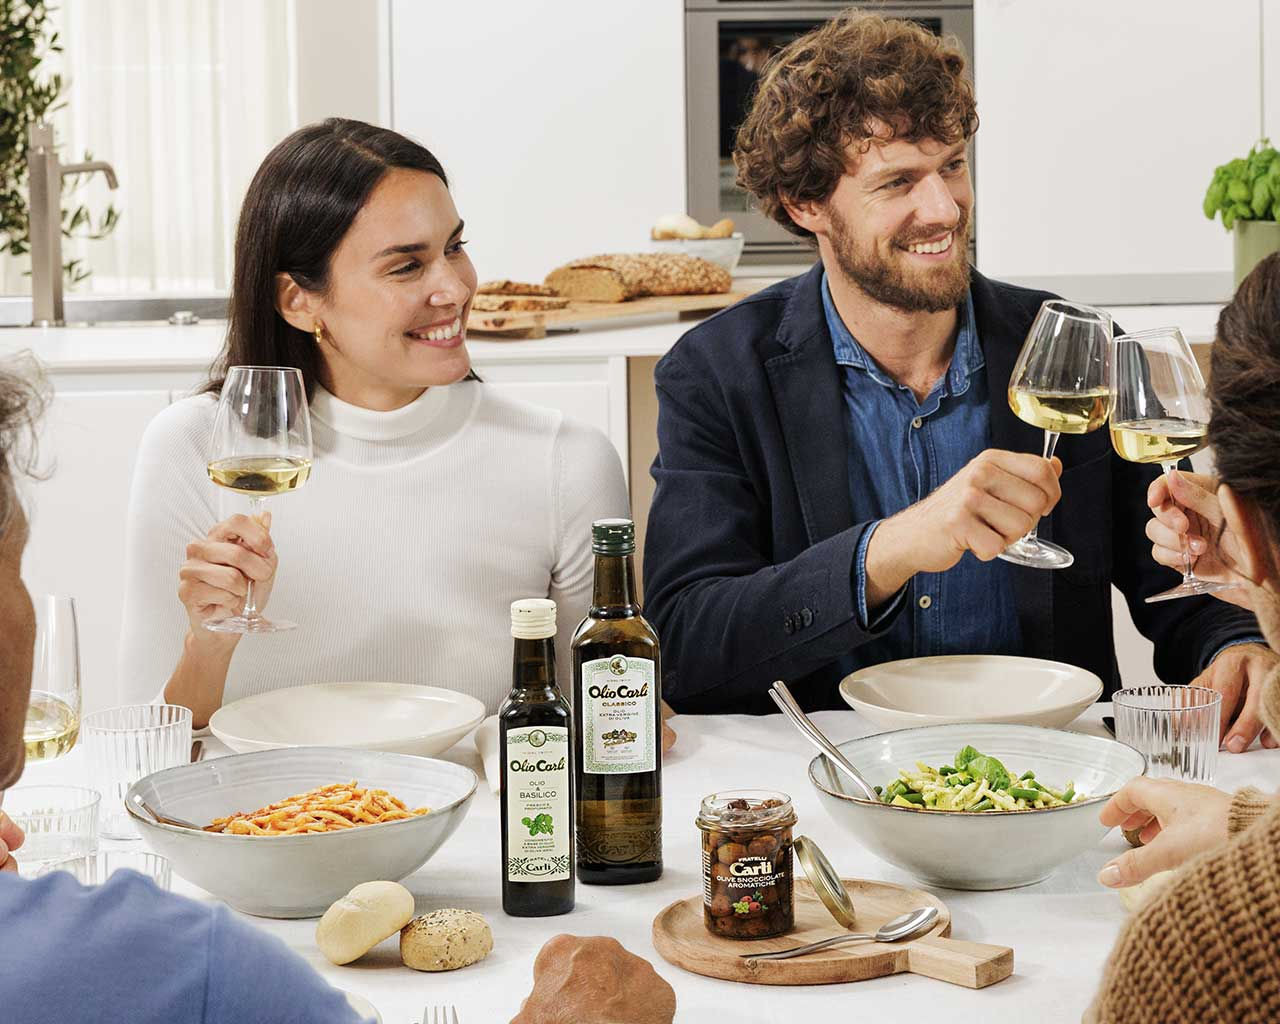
(45, 174)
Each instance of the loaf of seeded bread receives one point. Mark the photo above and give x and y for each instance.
(618, 277)
(515, 303)
(512, 288)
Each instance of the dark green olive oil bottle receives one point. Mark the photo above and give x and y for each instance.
(617, 701)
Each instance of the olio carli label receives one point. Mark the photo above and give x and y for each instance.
(618, 719)
(538, 804)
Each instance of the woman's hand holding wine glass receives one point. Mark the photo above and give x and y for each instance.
(215, 578)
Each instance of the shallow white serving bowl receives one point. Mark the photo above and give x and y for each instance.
(400, 717)
(724, 251)
(989, 850)
(970, 688)
(298, 876)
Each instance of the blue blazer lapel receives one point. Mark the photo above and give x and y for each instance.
(807, 396)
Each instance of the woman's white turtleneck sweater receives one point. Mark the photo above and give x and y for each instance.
(401, 556)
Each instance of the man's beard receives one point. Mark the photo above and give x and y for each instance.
(927, 290)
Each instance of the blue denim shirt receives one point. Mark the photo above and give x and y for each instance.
(900, 451)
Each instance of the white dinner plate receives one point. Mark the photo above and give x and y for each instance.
(970, 688)
(399, 717)
(363, 1007)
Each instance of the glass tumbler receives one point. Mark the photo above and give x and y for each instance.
(96, 868)
(127, 743)
(1176, 727)
(59, 822)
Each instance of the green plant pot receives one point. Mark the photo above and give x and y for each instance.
(1254, 240)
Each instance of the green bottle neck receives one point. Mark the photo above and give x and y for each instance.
(614, 591)
(533, 664)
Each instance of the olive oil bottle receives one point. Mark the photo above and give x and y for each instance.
(617, 700)
(536, 746)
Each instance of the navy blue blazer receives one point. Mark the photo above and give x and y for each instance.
(749, 554)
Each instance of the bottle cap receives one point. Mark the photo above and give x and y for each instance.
(533, 618)
(826, 883)
(613, 537)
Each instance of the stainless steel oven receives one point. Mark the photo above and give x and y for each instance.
(726, 44)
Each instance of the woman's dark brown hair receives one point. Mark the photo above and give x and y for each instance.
(1244, 387)
(299, 207)
(829, 88)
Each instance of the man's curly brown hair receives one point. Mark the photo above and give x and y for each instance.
(829, 88)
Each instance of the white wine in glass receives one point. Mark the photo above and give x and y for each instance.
(261, 447)
(1061, 384)
(53, 711)
(1161, 414)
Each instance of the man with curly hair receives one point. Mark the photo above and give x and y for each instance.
(838, 466)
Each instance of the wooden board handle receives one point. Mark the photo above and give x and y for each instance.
(971, 964)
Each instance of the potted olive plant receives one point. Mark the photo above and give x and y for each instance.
(1246, 191)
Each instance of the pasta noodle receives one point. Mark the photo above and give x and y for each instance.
(323, 809)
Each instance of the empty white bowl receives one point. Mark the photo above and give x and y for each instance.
(970, 688)
(400, 717)
(724, 251)
(298, 876)
(991, 849)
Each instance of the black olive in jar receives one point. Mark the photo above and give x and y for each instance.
(746, 864)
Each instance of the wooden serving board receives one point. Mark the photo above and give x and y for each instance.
(681, 937)
(535, 324)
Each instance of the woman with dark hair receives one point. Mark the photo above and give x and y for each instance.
(1203, 949)
(434, 501)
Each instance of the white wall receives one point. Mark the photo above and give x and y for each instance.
(1271, 69)
(1102, 123)
(561, 126)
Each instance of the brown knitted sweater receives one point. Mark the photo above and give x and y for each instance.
(1205, 950)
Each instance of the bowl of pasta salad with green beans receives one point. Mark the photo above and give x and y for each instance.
(977, 806)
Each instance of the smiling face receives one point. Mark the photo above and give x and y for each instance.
(400, 286)
(897, 224)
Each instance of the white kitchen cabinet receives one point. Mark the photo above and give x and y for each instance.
(1102, 123)
(78, 517)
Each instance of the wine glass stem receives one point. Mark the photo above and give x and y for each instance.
(256, 505)
(1050, 443)
(1187, 575)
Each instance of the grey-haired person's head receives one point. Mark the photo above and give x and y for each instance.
(23, 397)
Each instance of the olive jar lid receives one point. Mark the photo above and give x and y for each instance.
(826, 883)
(748, 809)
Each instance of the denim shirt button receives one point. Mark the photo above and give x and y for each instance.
(925, 601)
(917, 423)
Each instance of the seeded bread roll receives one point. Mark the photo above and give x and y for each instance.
(445, 940)
(515, 303)
(361, 919)
(618, 277)
(512, 288)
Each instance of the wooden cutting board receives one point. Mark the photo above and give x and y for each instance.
(535, 324)
(681, 937)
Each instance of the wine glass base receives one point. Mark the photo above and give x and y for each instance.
(1038, 554)
(244, 625)
(1192, 587)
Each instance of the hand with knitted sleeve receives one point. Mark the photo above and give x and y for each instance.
(1248, 805)
(1203, 951)
(1178, 820)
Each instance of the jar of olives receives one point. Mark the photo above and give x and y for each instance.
(746, 863)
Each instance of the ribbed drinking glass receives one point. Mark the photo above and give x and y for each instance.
(1176, 727)
(125, 744)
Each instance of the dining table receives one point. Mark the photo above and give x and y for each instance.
(1061, 929)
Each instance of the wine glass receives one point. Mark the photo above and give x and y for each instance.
(1161, 414)
(53, 712)
(1061, 384)
(261, 447)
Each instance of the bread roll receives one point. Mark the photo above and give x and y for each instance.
(515, 303)
(361, 919)
(720, 229)
(676, 225)
(512, 288)
(617, 277)
(445, 940)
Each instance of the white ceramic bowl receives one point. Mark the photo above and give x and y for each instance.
(989, 850)
(724, 251)
(400, 717)
(298, 876)
(970, 688)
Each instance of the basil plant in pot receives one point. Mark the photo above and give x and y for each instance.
(1246, 191)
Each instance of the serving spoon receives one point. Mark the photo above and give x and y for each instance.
(788, 706)
(905, 926)
(163, 819)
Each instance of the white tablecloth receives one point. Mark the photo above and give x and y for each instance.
(1061, 930)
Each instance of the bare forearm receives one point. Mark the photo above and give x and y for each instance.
(201, 676)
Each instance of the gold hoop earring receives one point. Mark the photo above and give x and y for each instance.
(318, 331)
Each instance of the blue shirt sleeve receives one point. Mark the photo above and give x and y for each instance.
(892, 606)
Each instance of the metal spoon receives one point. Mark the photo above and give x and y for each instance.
(788, 706)
(163, 819)
(903, 927)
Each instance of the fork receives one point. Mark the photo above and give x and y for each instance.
(439, 1015)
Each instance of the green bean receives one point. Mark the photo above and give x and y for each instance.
(879, 790)
(915, 798)
(1069, 795)
(1018, 793)
(1026, 775)
(946, 769)
(984, 804)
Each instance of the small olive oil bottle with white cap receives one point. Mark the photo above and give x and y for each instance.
(535, 741)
